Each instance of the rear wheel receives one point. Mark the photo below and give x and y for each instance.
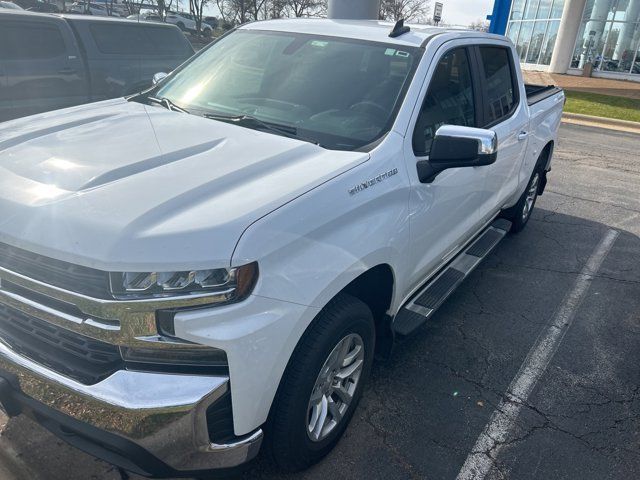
(520, 213)
(322, 384)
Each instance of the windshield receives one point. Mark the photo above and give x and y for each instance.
(342, 94)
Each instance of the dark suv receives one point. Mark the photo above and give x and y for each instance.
(55, 61)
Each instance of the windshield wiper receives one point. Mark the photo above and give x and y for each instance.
(250, 121)
(166, 103)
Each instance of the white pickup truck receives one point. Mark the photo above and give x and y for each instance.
(216, 260)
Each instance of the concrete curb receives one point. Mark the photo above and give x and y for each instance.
(601, 122)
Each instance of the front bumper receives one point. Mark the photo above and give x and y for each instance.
(153, 424)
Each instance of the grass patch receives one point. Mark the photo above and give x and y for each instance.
(603, 105)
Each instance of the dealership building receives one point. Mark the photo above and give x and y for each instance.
(573, 36)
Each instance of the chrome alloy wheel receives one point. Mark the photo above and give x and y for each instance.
(532, 194)
(335, 386)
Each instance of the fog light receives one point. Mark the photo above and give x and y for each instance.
(175, 355)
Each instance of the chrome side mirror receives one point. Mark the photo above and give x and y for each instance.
(457, 147)
(158, 77)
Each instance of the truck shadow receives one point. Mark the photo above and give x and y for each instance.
(426, 405)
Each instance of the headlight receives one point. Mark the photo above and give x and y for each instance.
(230, 284)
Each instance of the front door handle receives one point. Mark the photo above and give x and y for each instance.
(522, 136)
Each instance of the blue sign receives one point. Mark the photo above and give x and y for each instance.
(499, 17)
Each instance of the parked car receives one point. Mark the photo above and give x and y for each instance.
(187, 22)
(90, 8)
(49, 62)
(228, 249)
(145, 17)
(213, 22)
(101, 9)
(38, 6)
(10, 6)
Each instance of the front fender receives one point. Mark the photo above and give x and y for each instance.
(311, 248)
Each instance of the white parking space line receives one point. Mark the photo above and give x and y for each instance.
(503, 420)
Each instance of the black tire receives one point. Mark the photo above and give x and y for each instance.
(181, 26)
(520, 213)
(287, 437)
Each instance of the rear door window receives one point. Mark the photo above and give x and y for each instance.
(167, 41)
(138, 40)
(30, 41)
(120, 39)
(499, 83)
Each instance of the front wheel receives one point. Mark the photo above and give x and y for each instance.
(322, 384)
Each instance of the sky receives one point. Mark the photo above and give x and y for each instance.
(463, 12)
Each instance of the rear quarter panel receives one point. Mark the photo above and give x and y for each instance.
(545, 118)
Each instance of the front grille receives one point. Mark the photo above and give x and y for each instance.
(68, 353)
(75, 278)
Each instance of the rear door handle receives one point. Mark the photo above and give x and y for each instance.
(522, 136)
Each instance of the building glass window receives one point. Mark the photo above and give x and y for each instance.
(549, 43)
(537, 39)
(531, 9)
(513, 31)
(544, 9)
(524, 38)
(533, 27)
(556, 10)
(609, 36)
(517, 9)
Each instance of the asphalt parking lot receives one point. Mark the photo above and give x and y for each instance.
(426, 407)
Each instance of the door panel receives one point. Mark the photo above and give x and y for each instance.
(448, 211)
(507, 116)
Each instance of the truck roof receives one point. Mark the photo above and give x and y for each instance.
(372, 30)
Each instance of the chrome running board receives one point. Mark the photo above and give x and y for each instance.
(426, 301)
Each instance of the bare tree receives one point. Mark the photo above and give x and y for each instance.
(479, 25)
(409, 10)
(306, 8)
(234, 11)
(163, 6)
(196, 8)
(241, 11)
(256, 10)
(276, 8)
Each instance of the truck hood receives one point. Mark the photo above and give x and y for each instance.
(117, 185)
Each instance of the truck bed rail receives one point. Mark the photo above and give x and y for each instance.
(537, 93)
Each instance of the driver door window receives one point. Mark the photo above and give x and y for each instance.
(449, 100)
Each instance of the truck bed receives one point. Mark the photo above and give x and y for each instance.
(537, 93)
